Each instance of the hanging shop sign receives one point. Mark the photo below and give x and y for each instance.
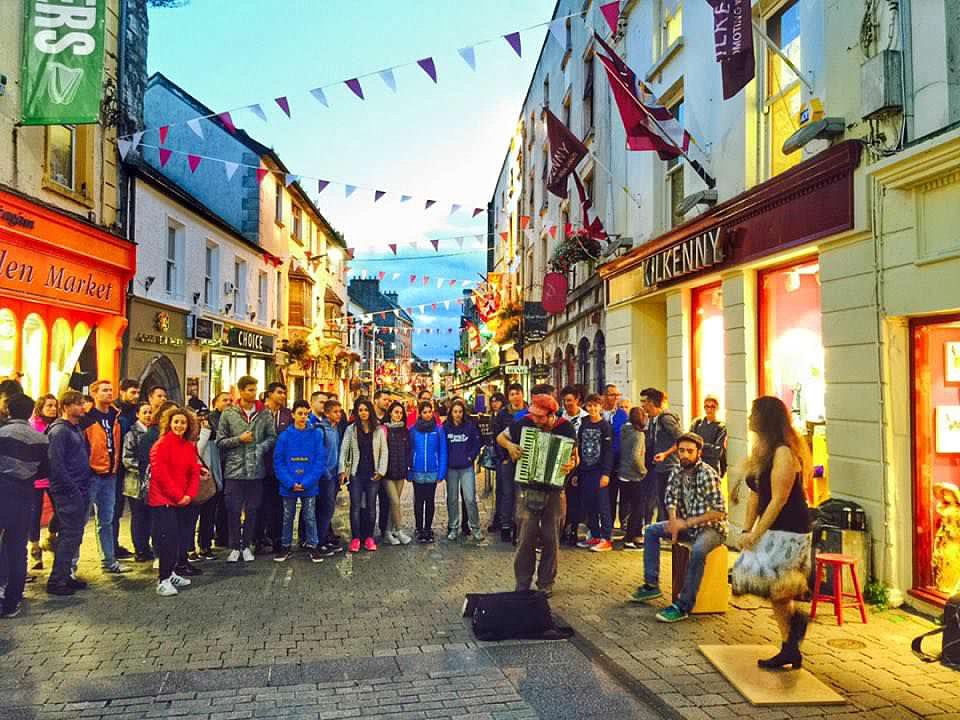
(685, 258)
(534, 321)
(515, 369)
(62, 65)
(248, 341)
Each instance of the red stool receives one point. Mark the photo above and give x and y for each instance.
(839, 598)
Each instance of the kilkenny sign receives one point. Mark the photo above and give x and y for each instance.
(62, 64)
(684, 258)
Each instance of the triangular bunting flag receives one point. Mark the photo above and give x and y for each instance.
(395, 276)
(380, 276)
(163, 132)
(320, 96)
(452, 282)
(429, 67)
(524, 221)
(284, 104)
(426, 281)
(436, 245)
(165, 156)
(377, 194)
(261, 174)
(393, 249)
(421, 309)
(322, 185)
(469, 57)
(439, 284)
(137, 137)
(460, 243)
(349, 189)
(553, 231)
(454, 208)
(611, 13)
(227, 122)
(194, 125)
(476, 211)
(289, 179)
(503, 236)
(466, 283)
(429, 204)
(413, 279)
(415, 245)
(124, 147)
(350, 253)
(446, 305)
(514, 40)
(258, 111)
(194, 162)
(388, 79)
(433, 306)
(230, 168)
(354, 85)
(558, 31)
(404, 198)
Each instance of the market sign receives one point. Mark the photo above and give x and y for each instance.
(684, 258)
(248, 341)
(62, 66)
(534, 321)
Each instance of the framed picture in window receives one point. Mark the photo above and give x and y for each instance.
(951, 362)
(948, 429)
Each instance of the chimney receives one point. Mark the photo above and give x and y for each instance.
(392, 297)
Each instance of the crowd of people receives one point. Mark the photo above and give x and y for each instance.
(196, 480)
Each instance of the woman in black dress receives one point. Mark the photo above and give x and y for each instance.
(775, 562)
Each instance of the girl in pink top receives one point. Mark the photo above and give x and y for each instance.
(46, 411)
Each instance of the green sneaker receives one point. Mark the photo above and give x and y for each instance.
(671, 614)
(645, 593)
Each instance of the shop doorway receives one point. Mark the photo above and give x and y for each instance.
(161, 372)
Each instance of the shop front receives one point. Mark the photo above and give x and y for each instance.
(157, 347)
(239, 351)
(728, 305)
(63, 289)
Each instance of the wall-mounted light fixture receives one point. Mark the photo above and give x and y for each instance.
(227, 308)
(196, 298)
(148, 281)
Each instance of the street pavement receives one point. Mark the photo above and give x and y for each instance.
(380, 635)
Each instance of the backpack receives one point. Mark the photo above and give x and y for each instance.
(523, 614)
(950, 654)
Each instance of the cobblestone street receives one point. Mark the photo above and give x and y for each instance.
(380, 635)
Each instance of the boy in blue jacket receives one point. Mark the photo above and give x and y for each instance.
(299, 461)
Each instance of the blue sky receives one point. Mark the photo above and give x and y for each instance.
(445, 141)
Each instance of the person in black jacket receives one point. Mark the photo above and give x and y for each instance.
(595, 445)
(70, 479)
(506, 467)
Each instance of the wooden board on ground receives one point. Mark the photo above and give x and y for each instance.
(738, 664)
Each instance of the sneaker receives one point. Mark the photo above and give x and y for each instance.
(247, 555)
(179, 580)
(421, 537)
(369, 545)
(632, 545)
(335, 546)
(62, 589)
(671, 614)
(121, 553)
(36, 554)
(477, 536)
(166, 588)
(187, 570)
(144, 557)
(195, 557)
(431, 538)
(316, 555)
(156, 564)
(283, 555)
(453, 535)
(354, 545)
(391, 538)
(402, 537)
(234, 556)
(207, 555)
(328, 551)
(12, 613)
(588, 543)
(116, 569)
(602, 546)
(76, 583)
(645, 593)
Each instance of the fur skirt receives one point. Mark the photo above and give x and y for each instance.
(777, 566)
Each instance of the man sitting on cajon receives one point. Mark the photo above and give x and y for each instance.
(697, 513)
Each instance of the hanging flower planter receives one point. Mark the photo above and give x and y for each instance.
(576, 248)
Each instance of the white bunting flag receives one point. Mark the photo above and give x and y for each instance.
(289, 179)
(124, 147)
(460, 243)
(469, 57)
(421, 309)
(389, 80)
(320, 96)
(415, 245)
(194, 125)
(467, 283)
(558, 31)
(404, 198)
(454, 208)
(258, 111)
(395, 276)
(230, 168)
(439, 283)
(363, 274)
(137, 137)
(446, 304)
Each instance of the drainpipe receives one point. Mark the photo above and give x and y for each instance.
(130, 219)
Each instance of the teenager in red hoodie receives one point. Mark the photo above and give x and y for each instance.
(174, 481)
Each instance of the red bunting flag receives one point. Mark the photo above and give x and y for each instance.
(436, 245)
(380, 276)
(611, 13)
(193, 161)
(452, 283)
(514, 40)
(284, 105)
(413, 279)
(354, 85)
(377, 194)
(433, 306)
(227, 122)
(524, 221)
(165, 156)
(429, 67)
(503, 235)
(393, 248)
(553, 231)
(261, 174)
(426, 279)
(477, 211)
(163, 134)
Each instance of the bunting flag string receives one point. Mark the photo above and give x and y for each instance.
(427, 65)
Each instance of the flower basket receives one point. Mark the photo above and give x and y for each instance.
(576, 248)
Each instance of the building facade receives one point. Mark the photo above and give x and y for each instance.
(390, 324)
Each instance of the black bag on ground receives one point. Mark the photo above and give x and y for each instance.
(513, 615)
(950, 655)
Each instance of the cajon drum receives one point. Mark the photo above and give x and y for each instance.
(714, 593)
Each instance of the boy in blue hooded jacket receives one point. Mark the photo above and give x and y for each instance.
(299, 461)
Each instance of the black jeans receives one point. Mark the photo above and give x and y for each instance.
(118, 511)
(14, 521)
(363, 495)
(210, 511)
(242, 496)
(269, 525)
(188, 530)
(423, 505)
(574, 511)
(641, 502)
(165, 524)
(37, 515)
(140, 525)
(383, 512)
(72, 512)
(658, 489)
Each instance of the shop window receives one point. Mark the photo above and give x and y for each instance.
(783, 88)
(8, 343)
(33, 354)
(61, 343)
(936, 461)
(791, 356)
(706, 333)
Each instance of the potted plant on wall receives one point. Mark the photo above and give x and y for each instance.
(577, 247)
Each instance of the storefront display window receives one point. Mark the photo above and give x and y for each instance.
(8, 343)
(706, 357)
(33, 354)
(792, 358)
(61, 342)
(936, 461)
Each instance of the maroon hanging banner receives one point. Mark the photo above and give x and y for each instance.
(733, 42)
(566, 151)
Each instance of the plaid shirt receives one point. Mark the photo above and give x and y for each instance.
(695, 493)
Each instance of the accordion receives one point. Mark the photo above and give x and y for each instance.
(543, 456)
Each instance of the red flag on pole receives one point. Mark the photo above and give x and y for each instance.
(733, 42)
(611, 13)
(566, 151)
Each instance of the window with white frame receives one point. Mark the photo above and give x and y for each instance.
(173, 260)
(262, 290)
(671, 26)
(278, 203)
(62, 155)
(211, 273)
(783, 95)
(239, 287)
(673, 176)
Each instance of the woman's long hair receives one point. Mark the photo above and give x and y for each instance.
(371, 421)
(38, 408)
(389, 416)
(193, 426)
(770, 421)
(463, 419)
